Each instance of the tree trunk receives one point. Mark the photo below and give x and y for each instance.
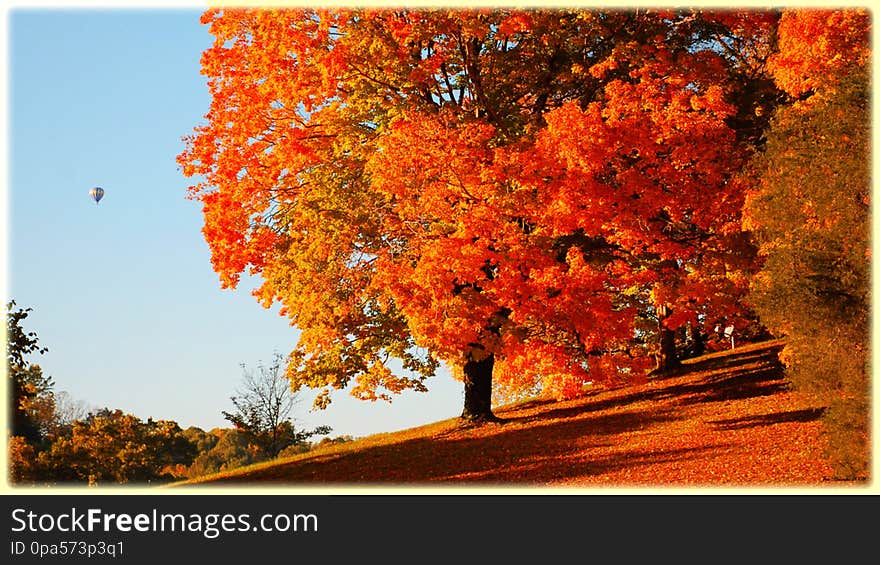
(665, 356)
(699, 341)
(478, 389)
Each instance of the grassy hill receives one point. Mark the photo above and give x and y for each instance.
(726, 419)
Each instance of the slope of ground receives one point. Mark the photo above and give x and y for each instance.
(726, 419)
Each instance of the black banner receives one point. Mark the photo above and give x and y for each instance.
(275, 527)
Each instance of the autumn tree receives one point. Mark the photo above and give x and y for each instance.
(809, 207)
(702, 288)
(514, 193)
(110, 446)
(22, 461)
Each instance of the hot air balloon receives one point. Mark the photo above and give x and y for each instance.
(97, 194)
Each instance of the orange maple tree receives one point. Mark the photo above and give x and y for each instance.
(513, 193)
(818, 47)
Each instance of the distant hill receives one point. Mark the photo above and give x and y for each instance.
(725, 419)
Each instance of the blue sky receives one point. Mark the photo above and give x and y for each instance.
(123, 293)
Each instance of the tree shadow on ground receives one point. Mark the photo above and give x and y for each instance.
(746, 376)
(542, 470)
(509, 456)
(806, 415)
(737, 385)
(731, 359)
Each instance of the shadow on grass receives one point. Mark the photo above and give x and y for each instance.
(506, 456)
(807, 415)
(543, 470)
(733, 358)
(747, 376)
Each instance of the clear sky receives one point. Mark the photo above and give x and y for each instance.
(122, 292)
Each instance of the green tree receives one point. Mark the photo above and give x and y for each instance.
(203, 440)
(19, 342)
(30, 390)
(810, 212)
(231, 449)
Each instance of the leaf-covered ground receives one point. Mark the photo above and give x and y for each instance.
(726, 419)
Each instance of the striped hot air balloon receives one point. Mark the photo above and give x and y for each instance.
(97, 194)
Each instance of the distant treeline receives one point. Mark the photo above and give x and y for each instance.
(112, 447)
(56, 440)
